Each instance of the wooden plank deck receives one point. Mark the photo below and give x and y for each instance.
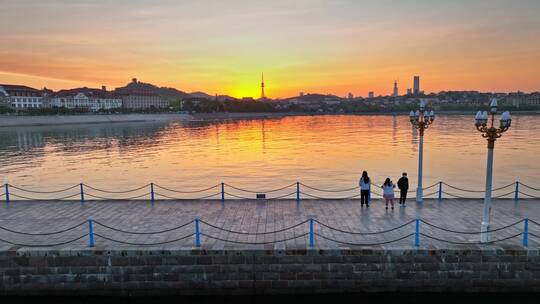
(261, 216)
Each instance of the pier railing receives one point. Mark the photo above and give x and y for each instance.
(197, 232)
(224, 191)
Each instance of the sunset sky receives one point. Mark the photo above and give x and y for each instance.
(301, 45)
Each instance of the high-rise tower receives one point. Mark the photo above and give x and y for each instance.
(262, 86)
(395, 94)
(416, 85)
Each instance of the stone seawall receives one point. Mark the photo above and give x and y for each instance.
(200, 272)
(18, 121)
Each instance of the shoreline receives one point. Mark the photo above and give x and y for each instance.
(24, 121)
(57, 120)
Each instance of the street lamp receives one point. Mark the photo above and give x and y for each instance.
(491, 133)
(421, 119)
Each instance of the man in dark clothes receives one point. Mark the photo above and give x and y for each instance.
(403, 185)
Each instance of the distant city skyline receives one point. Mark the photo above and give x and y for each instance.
(328, 47)
(417, 91)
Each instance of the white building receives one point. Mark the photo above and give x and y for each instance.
(85, 98)
(519, 99)
(21, 97)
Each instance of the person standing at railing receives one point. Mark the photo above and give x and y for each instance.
(388, 192)
(365, 186)
(403, 185)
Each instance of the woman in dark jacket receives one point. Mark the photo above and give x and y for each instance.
(365, 187)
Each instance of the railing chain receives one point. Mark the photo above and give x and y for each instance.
(186, 192)
(363, 233)
(471, 243)
(254, 243)
(143, 244)
(471, 232)
(43, 192)
(43, 233)
(363, 244)
(45, 245)
(143, 233)
(116, 192)
(253, 233)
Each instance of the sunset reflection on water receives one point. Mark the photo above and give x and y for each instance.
(323, 151)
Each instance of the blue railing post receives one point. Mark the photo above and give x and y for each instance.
(82, 192)
(297, 191)
(222, 193)
(197, 232)
(526, 232)
(417, 233)
(311, 233)
(7, 192)
(516, 192)
(152, 192)
(90, 232)
(440, 190)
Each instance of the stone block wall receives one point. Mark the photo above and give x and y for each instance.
(194, 272)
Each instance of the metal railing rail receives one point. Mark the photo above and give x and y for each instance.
(227, 191)
(315, 229)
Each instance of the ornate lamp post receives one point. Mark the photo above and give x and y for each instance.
(421, 119)
(491, 133)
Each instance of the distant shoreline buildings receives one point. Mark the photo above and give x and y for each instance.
(395, 90)
(137, 95)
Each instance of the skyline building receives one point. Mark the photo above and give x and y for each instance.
(140, 95)
(371, 94)
(416, 86)
(396, 92)
(262, 86)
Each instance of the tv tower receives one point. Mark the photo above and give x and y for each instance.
(262, 86)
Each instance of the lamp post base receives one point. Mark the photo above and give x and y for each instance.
(419, 195)
(485, 236)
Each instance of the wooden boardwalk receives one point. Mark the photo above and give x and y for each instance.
(261, 217)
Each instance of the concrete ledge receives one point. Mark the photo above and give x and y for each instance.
(485, 250)
(45, 120)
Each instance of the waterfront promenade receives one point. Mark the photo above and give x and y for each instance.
(247, 224)
(231, 262)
